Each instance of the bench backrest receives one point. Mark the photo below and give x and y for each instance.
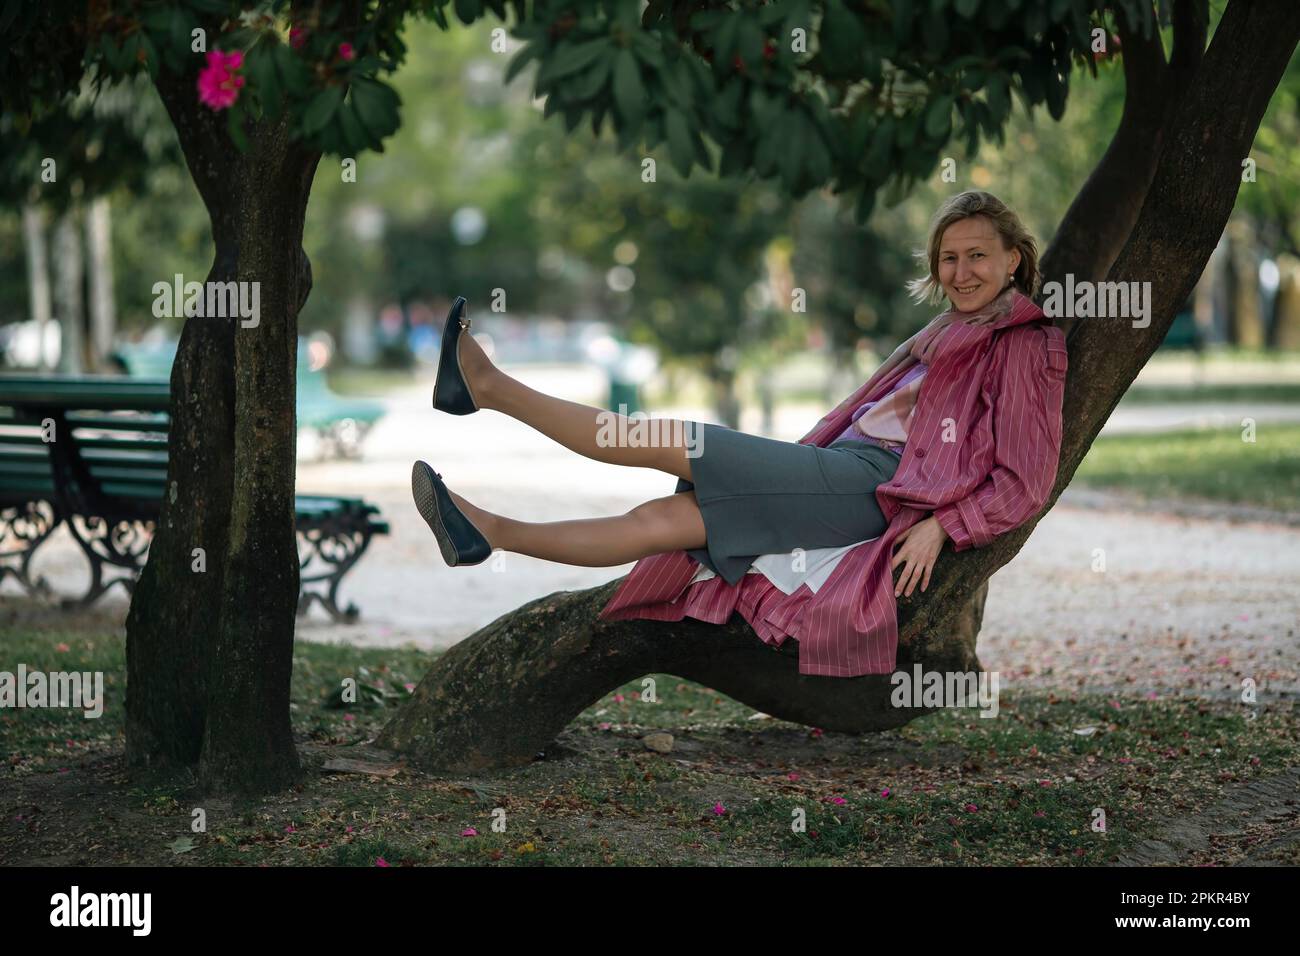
(109, 450)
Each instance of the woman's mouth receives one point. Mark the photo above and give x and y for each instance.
(966, 290)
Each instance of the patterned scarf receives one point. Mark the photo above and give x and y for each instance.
(890, 418)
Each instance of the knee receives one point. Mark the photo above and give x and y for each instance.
(666, 523)
(654, 525)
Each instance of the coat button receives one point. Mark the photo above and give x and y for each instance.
(920, 453)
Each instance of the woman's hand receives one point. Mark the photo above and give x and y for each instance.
(921, 545)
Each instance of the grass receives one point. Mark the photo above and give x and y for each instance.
(952, 787)
(1212, 465)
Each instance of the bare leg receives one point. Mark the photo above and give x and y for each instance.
(592, 432)
(671, 523)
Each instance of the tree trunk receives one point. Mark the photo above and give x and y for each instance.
(501, 694)
(69, 276)
(1286, 307)
(38, 279)
(1245, 323)
(209, 654)
(99, 256)
(722, 376)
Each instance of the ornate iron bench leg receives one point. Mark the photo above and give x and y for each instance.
(124, 545)
(338, 545)
(29, 525)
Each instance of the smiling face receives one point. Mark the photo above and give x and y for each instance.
(974, 267)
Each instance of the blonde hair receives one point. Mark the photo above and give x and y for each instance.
(1014, 235)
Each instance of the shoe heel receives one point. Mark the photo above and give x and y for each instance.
(460, 542)
(451, 392)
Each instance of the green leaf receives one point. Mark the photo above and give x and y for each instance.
(629, 91)
(726, 108)
(794, 134)
(903, 13)
(876, 161)
(235, 128)
(293, 72)
(467, 11)
(938, 119)
(841, 36)
(866, 202)
(520, 60)
(376, 105)
(586, 85)
(570, 58)
(999, 97)
(679, 141)
(260, 66)
(749, 42)
(1058, 88)
(353, 133)
(321, 109)
(724, 40)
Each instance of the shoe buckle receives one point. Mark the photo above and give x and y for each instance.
(464, 322)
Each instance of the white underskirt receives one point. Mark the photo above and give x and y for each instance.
(818, 565)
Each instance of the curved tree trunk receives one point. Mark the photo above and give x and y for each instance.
(209, 654)
(501, 694)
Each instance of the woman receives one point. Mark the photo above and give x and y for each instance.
(955, 437)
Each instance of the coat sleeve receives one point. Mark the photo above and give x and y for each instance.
(1027, 445)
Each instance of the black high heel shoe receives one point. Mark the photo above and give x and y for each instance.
(451, 392)
(458, 539)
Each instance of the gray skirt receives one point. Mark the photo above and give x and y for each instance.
(763, 496)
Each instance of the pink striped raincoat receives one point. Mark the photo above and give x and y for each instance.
(982, 457)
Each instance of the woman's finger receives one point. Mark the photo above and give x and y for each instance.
(925, 582)
(914, 578)
(905, 577)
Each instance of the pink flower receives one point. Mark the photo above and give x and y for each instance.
(838, 800)
(792, 775)
(218, 84)
(346, 51)
(290, 829)
(62, 648)
(469, 831)
(349, 717)
(410, 688)
(719, 809)
(885, 792)
(297, 37)
(971, 808)
(618, 698)
(347, 829)
(380, 861)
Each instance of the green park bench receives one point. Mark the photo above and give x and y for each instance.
(340, 423)
(105, 475)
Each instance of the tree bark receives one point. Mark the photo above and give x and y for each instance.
(209, 655)
(500, 695)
